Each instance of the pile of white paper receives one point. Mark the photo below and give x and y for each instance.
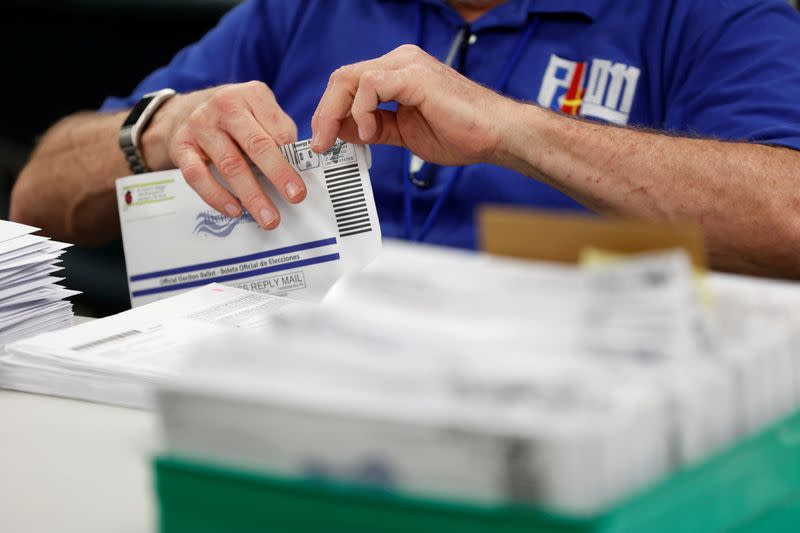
(116, 359)
(31, 301)
(451, 374)
(461, 376)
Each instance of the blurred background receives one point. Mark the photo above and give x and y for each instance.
(63, 56)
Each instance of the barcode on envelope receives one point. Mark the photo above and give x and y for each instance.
(105, 340)
(347, 196)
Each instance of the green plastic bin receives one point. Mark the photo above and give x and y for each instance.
(751, 487)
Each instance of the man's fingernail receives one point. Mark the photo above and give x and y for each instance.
(293, 190)
(315, 140)
(268, 217)
(232, 210)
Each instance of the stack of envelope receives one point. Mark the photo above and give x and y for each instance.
(117, 358)
(461, 376)
(31, 301)
(450, 374)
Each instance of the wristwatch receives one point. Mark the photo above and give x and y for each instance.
(130, 134)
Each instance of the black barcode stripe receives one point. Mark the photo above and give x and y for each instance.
(353, 220)
(355, 215)
(339, 195)
(362, 215)
(339, 172)
(345, 203)
(350, 211)
(347, 178)
(351, 203)
(351, 233)
(346, 174)
(349, 169)
(105, 340)
(336, 182)
(344, 179)
(354, 184)
(346, 192)
(353, 224)
(350, 200)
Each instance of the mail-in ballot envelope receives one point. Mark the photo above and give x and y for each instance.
(174, 241)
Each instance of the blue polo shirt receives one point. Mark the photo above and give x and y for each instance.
(728, 69)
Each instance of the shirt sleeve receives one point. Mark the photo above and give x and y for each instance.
(738, 73)
(246, 45)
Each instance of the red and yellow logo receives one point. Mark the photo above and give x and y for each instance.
(599, 89)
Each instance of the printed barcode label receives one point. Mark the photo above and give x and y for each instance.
(300, 155)
(105, 340)
(347, 197)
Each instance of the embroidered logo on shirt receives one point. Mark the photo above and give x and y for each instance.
(598, 89)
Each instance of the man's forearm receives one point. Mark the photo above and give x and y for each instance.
(67, 187)
(746, 197)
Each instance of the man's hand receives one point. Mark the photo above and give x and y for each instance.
(221, 126)
(442, 116)
(743, 195)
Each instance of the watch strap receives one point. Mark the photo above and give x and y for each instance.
(132, 153)
(132, 129)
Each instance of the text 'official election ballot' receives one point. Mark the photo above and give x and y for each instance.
(31, 301)
(175, 242)
(453, 375)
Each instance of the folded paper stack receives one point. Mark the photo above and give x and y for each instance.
(31, 301)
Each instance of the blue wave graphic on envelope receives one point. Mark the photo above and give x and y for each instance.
(217, 225)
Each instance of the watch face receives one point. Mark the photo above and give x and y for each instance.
(137, 111)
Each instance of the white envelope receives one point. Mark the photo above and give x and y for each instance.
(175, 242)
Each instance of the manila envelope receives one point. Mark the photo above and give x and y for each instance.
(561, 236)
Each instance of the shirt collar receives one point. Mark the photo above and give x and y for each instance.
(588, 8)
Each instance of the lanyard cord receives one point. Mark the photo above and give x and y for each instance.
(499, 86)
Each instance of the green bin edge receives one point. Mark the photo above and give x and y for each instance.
(753, 486)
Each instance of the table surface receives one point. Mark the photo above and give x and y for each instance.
(72, 466)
